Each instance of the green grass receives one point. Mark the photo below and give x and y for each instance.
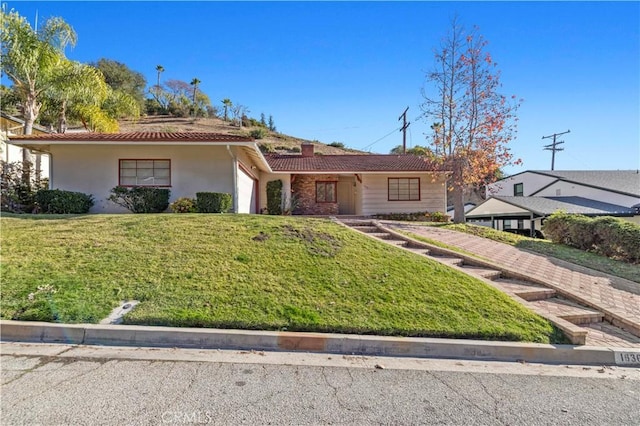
(241, 271)
(547, 248)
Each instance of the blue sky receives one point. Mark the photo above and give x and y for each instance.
(345, 71)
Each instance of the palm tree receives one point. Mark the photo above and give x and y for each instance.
(160, 70)
(29, 59)
(227, 104)
(195, 83)
(82, 93)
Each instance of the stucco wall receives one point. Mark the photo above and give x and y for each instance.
(568, 189)
(94, 169)
(374, 193)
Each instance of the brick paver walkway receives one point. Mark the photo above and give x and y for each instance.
(607, 293)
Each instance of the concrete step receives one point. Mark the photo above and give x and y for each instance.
(487, 273)
(525, 290)
(569, 310)
(449, 260)
(366, 228)
(381, 235)
(399, 243)
(418, 250)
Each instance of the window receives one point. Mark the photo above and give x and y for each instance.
(404, 189)
(326, 192)
(145, 173)
(518, 189)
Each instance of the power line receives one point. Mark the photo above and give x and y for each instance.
(378, 140)
(553, 147)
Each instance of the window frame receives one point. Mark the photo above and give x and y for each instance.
(333, 183)
(409, 179)
(154, 185)
(518, 189)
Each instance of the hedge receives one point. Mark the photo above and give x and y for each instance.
(213, 202)
(274, 197)
(605, 235)
(56, 201)
(141, 199)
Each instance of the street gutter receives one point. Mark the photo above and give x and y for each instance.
(206, 338)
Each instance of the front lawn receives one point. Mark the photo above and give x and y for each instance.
(241, 271)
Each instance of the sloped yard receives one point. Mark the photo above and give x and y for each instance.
(240, 271)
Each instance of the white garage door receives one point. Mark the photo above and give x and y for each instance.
(247, 188)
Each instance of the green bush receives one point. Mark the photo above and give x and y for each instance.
(141, 199)
(415, 217)
(183, 205)
(259, 133)
(213, 202)
(274, 197)
(337, 145)
(608, 236)
(56, 201)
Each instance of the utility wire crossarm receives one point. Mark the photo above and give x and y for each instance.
(553, 147)
(403, 129)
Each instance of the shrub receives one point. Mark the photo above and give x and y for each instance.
(415, 217)
(274, 197)
(337, 145)
(183, 205)
(266, 148)
(18, 195)
(213, 202)
(141, 199)
(259, 133)
(608, 236)
(57, 201)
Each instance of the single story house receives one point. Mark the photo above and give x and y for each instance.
(188, 163)
(521, 202)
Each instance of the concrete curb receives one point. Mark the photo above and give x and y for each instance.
(131, 335)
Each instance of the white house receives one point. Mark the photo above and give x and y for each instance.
(522, 201)
(188, 163)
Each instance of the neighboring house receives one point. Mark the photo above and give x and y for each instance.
(521, 202)
(188, 163)
(467, 207)
(12, 126)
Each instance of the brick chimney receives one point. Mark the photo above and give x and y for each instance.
(307, 150)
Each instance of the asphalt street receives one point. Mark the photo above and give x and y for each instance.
(85, 385)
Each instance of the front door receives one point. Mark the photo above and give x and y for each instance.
(346, 196)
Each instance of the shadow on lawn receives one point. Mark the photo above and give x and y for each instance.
(28, 216)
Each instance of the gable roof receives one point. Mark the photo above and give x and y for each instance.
(544, 206)
(349, 163)
(620, 181)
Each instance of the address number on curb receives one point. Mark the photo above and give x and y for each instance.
(627, 358)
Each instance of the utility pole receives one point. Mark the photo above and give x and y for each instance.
(403, 129)
(553, 147)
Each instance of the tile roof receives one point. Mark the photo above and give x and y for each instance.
(544, 206)
(626, 181)
(133, 137)
(350, 163)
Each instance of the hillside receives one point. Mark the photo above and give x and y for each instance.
(273, 142)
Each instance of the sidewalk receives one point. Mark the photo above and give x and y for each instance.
(605, 292)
